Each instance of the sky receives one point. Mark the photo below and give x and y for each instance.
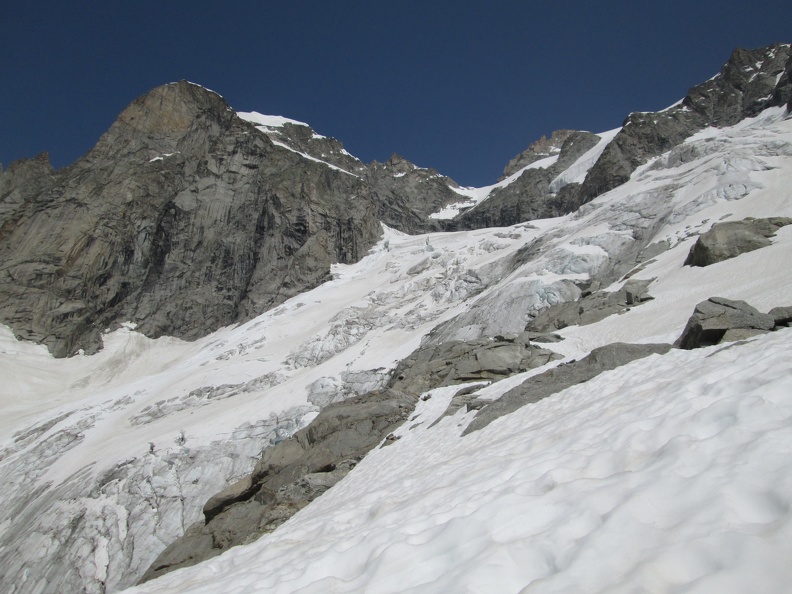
(460, 86)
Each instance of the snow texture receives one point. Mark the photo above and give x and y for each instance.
(670, 474)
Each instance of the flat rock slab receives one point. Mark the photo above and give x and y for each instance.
(565, 375)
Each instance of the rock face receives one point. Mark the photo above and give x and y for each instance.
(531, 195)
(719, 320)
(183, 218)
(565, 375)
(541, 149)
(406, 194)
(751, 81)
(728, 240)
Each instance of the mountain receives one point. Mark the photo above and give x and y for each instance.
(448, 387)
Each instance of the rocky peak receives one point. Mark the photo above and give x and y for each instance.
(182, 219)
(541, 149)
(751, 81)
(164, 116)
(301, 138)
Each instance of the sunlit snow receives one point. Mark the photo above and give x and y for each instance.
(673, 473)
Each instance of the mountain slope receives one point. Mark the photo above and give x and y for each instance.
(109, 458)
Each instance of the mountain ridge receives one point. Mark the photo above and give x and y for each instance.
(110, 458)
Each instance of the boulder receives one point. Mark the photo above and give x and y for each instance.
(728, 240)
(717, 316)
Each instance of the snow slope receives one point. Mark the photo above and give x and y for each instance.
(658, 475)
(655, 477)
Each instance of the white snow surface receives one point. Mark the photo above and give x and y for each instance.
(659, 476)
(673, 473)
(270, 121)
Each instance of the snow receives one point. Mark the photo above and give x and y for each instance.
(652, 477)
(671, 474)
(310, 158)
(269, 121)
(576, 173)
(476, 195)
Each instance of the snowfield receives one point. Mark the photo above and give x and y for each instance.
(670, 474)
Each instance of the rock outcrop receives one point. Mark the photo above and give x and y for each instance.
(728, 240)
(531, 195)
(591, 307)
(455, 362)
(289, 475)
(568, 374)
(751, 81)
(185, 218)
(718, 320)
(541, 149)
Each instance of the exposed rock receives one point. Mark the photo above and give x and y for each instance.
(406, 194)
(530, 196)
(183, 218)
(782, 316)
(541, 149)
(728, 240)
(717, 316)
(565, 375)
(591, 307)
(456, 361)
(751, 81)
(289, 476)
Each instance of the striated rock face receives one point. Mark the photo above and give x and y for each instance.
(183, 219)
(751, 81)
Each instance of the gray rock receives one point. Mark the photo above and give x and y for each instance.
(565, 375)
(782, 316)
(288, 477)
(541, 149)
(185, 218)
(454, 362)
(591, 308)
(530, 197)
(751, 81)
(713, 318)
(728, 240)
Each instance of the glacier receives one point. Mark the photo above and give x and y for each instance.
(669, 474)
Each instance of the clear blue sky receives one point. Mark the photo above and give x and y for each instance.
(459, 86)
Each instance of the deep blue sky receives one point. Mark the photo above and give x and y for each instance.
(458, 86)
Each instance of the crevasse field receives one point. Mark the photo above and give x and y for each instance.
(670, 474)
